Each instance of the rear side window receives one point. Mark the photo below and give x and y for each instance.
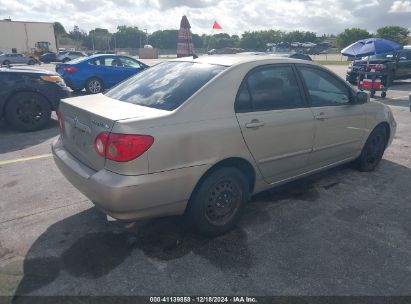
(269, 88)
(165, 86)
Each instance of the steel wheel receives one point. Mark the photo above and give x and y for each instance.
(223, 200)
(216, 203)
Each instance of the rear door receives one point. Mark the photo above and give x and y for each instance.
(339, 123)
(276, 123)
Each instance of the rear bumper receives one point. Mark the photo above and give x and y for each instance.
(130, 197)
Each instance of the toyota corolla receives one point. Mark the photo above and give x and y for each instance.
(199, 136)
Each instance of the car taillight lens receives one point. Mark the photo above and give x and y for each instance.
(60, 121)
(70, 69)
(122, 147)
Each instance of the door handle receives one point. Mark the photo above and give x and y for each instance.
(254, 124)
(321, 116)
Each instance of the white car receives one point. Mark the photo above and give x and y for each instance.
(67, 56)
(308, 44)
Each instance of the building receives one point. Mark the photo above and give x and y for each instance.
(26, 36)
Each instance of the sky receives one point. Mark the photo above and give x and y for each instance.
(235, 16)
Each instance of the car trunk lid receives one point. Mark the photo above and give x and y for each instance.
(83, 118)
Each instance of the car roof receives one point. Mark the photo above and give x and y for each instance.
(236, 59)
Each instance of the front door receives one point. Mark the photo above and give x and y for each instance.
(275, 121)
(339, 122)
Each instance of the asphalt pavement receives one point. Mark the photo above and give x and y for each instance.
(340, 232)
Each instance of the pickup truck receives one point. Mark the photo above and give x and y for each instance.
(394, 65)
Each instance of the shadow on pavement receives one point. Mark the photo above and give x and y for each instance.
(13, 140)
(86, 246)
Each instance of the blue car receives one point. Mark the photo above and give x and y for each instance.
(98, 72)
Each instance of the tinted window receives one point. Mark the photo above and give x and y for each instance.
(166, 85)
(324, 89)
(270, 88)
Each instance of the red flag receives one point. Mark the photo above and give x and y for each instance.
(216, 26)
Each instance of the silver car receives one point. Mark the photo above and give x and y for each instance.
(199, 136)
(70, 55)
(7, 59)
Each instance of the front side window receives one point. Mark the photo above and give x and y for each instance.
(165, 86)
(269, 88)
(324, 89)
(129, 63)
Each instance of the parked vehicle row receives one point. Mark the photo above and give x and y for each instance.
(210, 132)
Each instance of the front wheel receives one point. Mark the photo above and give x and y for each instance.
(28, 111)
(66, 60)
(216, 204)
(94, 86)
(31, 62)
(6, 62)
(373, 150)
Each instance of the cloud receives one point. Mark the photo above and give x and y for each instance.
(235, 16)
(401, 7)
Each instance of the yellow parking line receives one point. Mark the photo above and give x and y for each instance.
(23, 159)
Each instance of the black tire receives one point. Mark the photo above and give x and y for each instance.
(216, 204)
(31, 62)
(373, 150)
(372, 94)
(6, 62)
(28, 111)
(383, 94)
(66, 60)
(94, 86)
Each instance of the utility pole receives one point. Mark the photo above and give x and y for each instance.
(146, 36)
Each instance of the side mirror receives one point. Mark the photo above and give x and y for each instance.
(362, 97)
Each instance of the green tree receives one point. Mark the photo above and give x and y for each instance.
(395, 33)
(259, 39)
(129, 37)
(300, 36)
(59, 29)
(99, 39)
(351, 35)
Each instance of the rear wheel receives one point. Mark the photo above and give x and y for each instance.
(31, 62)
(373, 150)
(6, 62)
(94, 86)
(216, 205)
(28, 111)
(66, 60)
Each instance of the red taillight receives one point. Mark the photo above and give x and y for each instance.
(122, 147)
(70, 69)
(60, 121)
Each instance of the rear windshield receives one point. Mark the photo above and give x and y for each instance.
(165, 86)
